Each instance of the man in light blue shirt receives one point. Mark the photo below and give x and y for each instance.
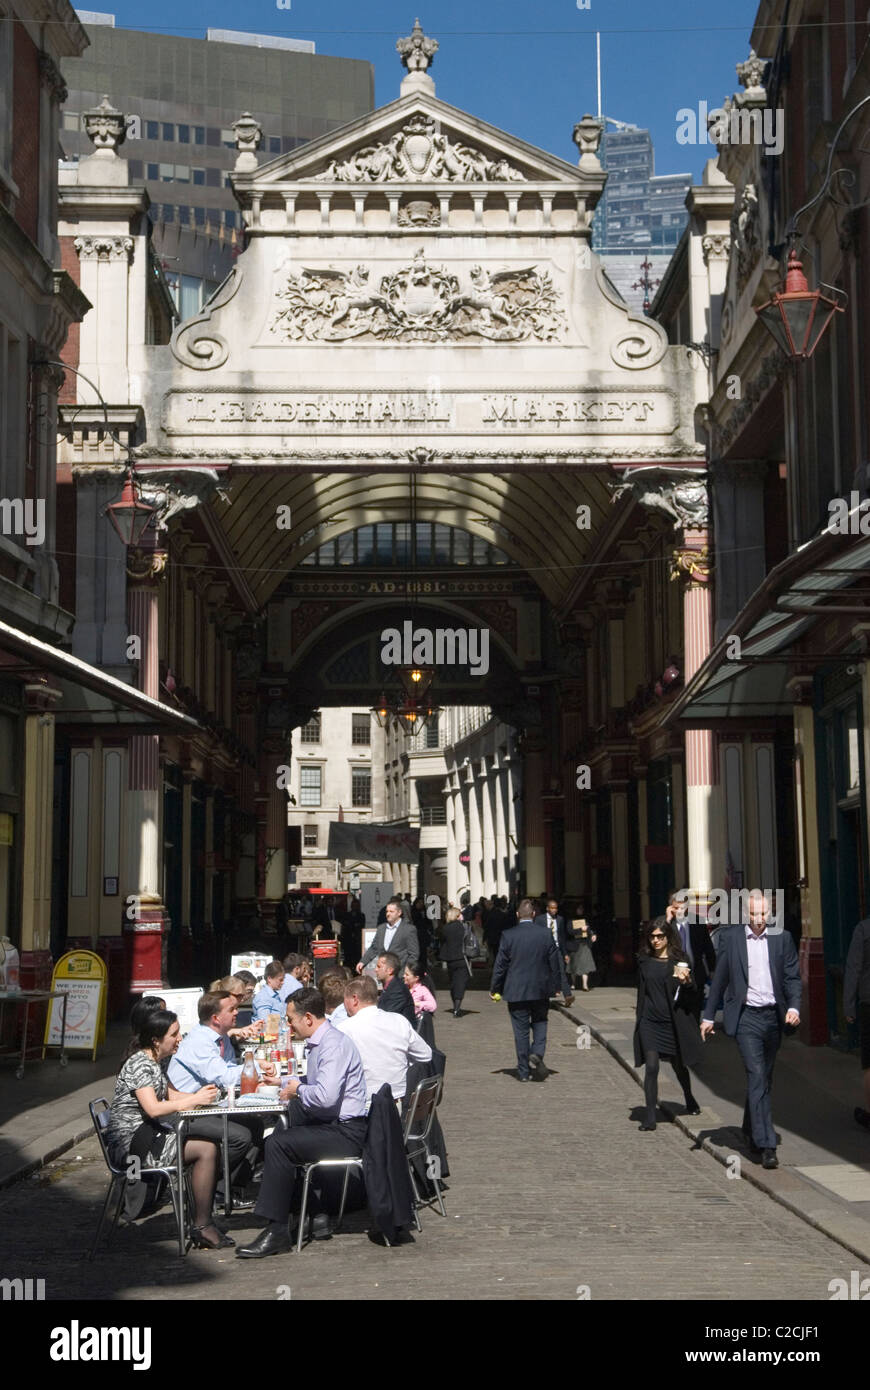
(270, 998)
(327, 1114)
(297, 974)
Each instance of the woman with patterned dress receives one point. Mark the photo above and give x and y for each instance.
(139, 1124)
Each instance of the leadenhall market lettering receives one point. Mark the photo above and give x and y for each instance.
(650, 411)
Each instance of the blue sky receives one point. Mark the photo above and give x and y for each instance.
(526, 67)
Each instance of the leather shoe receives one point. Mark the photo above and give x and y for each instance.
(321, 1226)
(769, 1158)
(646, 1127)
(273, 1241)
(693, 1109)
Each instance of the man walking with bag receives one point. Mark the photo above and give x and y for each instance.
(527, 972)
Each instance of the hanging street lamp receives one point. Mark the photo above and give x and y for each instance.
(130, 516)
(797, 317)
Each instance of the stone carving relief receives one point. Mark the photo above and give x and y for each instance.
(642, 342)
(420, 151)
(417, 303)
(195, 343)
(420, 213)
(715, 246)
(685, 502)
(104, 248)
(744, 231)
(170, 494)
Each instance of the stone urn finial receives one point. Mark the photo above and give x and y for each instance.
(106, 127)
(587, 138)
(249, 137)
(417, 52)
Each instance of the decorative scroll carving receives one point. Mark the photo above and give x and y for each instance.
(685, 502)
(52, 77)
(420, 213)
(103, 248)
(206, 349)
(419, 151)
(690, 563)
(417, 303)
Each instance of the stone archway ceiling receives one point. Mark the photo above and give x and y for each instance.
(531, 516)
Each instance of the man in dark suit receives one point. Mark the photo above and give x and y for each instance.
(395, 934)
(395, 997)
(553, 920)
(758, 977)
(527, 972)
(697, 944)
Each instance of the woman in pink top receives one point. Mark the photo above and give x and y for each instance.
(424, 1000)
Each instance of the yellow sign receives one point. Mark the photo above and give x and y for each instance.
(6, 827)
(82, 977)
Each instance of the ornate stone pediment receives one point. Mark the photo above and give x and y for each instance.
(418, 302)
(421, 151)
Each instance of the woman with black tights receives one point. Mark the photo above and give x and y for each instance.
(665, 1025)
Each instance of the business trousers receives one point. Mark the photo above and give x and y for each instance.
(458, 975)
(305, 1140)
(529, 1015)
(758, 1036)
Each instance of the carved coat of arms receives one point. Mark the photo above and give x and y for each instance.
(420, 151)
(417, 303)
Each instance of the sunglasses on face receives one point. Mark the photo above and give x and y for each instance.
(657, 936)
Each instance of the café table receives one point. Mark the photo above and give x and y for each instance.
(257, 1105)
(35, 996)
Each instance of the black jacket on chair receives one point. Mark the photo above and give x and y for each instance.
(389, 1191)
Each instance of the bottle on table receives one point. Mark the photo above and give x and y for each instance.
(250, 1076)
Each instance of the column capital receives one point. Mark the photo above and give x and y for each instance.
(145, 566)
(690, 561)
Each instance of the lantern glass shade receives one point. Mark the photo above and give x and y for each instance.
(416, 679)
(797, 316)
(382, 711)
(129, 516)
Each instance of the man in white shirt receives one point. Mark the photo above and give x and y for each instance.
(386, 1042)
(757, 980)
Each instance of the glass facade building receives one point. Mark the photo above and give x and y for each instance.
(181, 96)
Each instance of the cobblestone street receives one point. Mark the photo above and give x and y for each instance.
(552, 1188)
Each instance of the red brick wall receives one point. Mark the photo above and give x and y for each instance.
(70, 353)
(25, 130)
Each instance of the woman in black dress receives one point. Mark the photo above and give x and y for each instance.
(665, 1026)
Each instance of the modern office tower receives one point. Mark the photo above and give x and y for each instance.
(641, 214)
(181, 96)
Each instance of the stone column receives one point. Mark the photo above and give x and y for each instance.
(513, 791)
(572, 728)
(690, 563)
(37, 796)
(643, 837)
(619, 842)
(475, 836)
(462, 872)
(487, 786)
(814, 1011)
(535, 857)
(503, 850)
(451, 850)
(147, 931)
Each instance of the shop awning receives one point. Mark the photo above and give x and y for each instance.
(795, 596)
(88, 695)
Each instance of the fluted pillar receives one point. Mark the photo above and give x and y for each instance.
(487, 786)
(147, 930)
(451, 851)
(703, 802)
(461, 836)
(502, 846)
(535, 858)
(475, 835)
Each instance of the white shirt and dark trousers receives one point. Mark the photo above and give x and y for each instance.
(756, 980)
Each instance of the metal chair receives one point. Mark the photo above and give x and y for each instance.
(418, 1124)
(100, 1111)
(347, 1164)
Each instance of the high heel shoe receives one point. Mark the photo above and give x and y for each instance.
(693, 1108)
(202, 1242)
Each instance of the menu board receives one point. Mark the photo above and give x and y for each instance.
(183, 1002)
(254, 961)
(81, 976)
